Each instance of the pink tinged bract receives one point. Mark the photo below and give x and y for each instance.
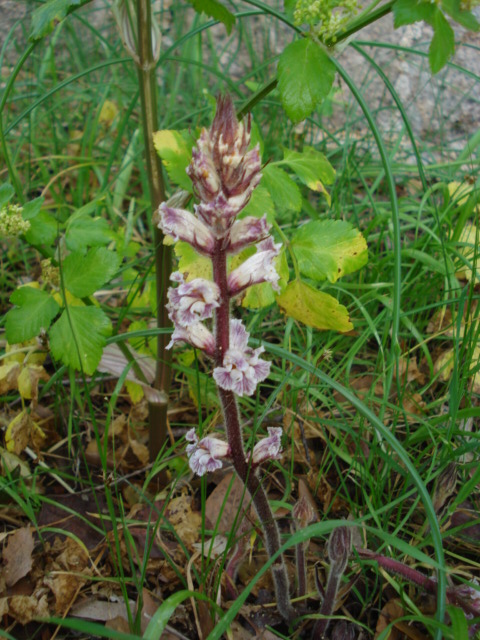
(268, 448)
(247, 231)
(242, 368)
(257, 269)
(196, 335)
(192, 301)
(183, 225)
(205, 455)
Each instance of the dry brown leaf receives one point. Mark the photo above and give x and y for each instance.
(17, 436)
(390, 612)
(118, 624)
(24, 609)
(140, 451)
(17, 555)
(8, 377)
(64, 587)
(223, 504)
(187, 523)
(101, 610)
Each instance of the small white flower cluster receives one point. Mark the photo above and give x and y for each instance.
(12, 223)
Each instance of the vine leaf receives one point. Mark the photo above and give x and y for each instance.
(77, 338)
(305, 76)
(35, 311)
(314, 308)
(329, 249)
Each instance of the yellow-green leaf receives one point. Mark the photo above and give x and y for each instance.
(175, 150)
(314, 308)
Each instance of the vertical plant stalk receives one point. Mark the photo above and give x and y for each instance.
(224, 171)
(163, 258)
(235, 439)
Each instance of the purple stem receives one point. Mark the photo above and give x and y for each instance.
(235, 440)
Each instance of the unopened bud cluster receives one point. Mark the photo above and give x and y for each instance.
(12, 223)
(224, 171)
(326, 17)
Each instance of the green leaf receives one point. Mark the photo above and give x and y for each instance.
(314, 308)
(175, 150)
(465, 18)
(459, 624)
(52, 11)
(215, 10)
(35, 310)
(83, 231)
(43, 230)
(77, 338)
(329, 249)
(305, 76)
(262, 295)
(83, 275)
(283, 190)
(410, 11)
(311, 166)
(6, 193)
(32, 209)
(442, 46)
(260, 204)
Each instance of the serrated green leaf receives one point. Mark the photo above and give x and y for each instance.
(6, 193)
(329, 249)
(85, 274)
(312, 167)
(175, 150)
(314, 308)
(262, 295)
(465, 18)
(216, 10)
(305, 76)
(87, 232)
(35, 310)
(191, 263)
(77, 338)
(283, 190)
(43, 230)
(48, 14)
(260, 204)
(442, 46)
(410, 11)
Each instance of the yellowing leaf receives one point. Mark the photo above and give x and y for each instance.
(134, 391)
(175, 150)
(8, 377)
(470, 252)
(191, 263)
(28, 381)
(18, 432)
(108, 112)
(314, 308)
(460, 192)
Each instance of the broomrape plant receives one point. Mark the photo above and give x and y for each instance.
(224, 172)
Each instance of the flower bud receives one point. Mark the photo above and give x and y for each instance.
(303, 513)
(268, 448)
(339, 547)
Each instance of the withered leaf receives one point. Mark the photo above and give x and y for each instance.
(17, 555)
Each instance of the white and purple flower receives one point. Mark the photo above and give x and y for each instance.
(268, 448)
(197, 335)
(242, 368)
(205, 455)
(183, 225)
(256, 269)
(191, 301)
